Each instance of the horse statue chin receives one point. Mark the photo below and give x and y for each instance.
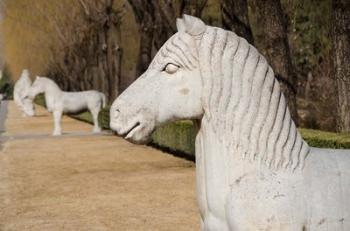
(59, 102)
(20, 92)
(253, 169)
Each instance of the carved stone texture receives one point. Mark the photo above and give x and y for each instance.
(253, 169)
(59, 102)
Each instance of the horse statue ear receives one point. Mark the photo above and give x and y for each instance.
(180, 25)
(194, 26)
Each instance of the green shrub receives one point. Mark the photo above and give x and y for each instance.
(178, 136)
(103, 117)
(322, 139)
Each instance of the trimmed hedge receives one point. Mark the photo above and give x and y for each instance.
(103, 117)
(322, 139)
(180, 136)
(177, 137)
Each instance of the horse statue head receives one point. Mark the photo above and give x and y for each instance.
(217, 77)
(169, 90)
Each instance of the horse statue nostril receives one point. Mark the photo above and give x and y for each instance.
(116, 113)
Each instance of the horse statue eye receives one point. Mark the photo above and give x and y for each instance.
(171, 68)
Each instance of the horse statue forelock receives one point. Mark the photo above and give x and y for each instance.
(243, 102)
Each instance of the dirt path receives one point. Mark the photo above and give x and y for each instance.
(85, 182)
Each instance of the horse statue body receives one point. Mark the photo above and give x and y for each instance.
(253, 169)
(20, 92)
(59, 102)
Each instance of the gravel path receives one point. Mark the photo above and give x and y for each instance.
(81, 181)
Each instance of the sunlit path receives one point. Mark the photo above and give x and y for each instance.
(81, 181)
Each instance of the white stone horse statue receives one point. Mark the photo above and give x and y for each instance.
(253, 169)
(59, 102)
(20, 92)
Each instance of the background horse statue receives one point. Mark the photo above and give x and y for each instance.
(20, 92)
(58, 101)
(254, 171)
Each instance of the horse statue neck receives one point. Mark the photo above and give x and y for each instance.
(51, 88)
(51, 92)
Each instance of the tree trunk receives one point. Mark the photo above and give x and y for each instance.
(341, 61)
(165, 18)
(144, 16)
(276, 48)
(234, 15)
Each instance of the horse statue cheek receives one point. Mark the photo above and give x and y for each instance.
(254, 171)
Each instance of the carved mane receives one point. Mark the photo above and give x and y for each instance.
(244, 104)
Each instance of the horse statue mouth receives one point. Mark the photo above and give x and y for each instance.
(131, 131)
(137, 132)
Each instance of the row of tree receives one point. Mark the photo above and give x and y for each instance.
(87, 41)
